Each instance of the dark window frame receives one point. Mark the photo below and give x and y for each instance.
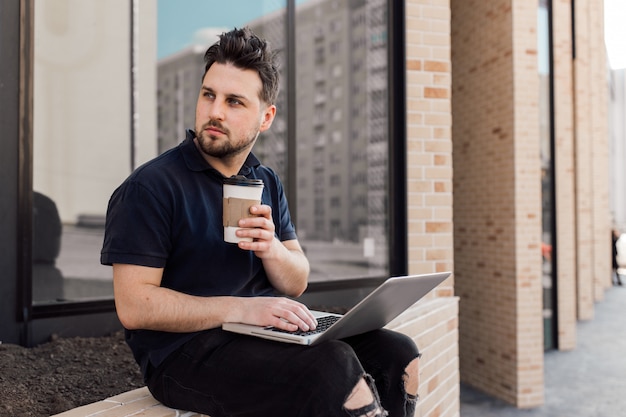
(13, 63)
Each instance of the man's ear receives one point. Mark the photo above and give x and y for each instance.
(268, 117)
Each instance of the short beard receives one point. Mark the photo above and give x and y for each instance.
(227, 148)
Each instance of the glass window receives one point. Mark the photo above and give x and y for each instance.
(342, 213)
(547, 171)
(341, 207)
(81, 141)
(98, 115)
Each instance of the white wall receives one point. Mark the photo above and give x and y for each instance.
(82, 99)
(617, 132)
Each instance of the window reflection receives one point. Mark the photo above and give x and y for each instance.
(341, 142)
(184, 33)
(547, 163)
(342, 137)
(98, 115)
(81, 140)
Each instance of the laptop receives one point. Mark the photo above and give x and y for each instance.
(375, 311)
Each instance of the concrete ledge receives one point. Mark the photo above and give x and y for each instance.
(132, 403)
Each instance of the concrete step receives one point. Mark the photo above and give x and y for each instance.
(132, 403)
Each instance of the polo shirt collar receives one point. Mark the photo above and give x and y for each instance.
(195, 162)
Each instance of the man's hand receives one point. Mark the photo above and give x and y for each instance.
(279, 312)
(285, 263)
(261, 229)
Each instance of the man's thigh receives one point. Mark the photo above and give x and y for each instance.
(223, 374)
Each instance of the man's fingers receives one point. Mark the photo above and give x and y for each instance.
(297, 314)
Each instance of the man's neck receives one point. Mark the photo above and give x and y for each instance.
(227, 169)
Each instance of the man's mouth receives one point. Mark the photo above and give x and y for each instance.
(214, 126)
(214, 130)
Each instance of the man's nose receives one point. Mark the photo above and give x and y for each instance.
(216, 110)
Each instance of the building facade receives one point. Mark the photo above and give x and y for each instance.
(481, 148)
(531, 218)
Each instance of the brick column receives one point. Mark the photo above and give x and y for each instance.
(433, 322)
(497, 205)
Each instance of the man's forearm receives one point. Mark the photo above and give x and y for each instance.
(141, 303)
(177, 312)
(289, 270)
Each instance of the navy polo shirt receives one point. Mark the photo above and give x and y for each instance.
(168, 214)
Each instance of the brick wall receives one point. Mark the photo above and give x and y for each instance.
(583, 146)
(582, 172)
(433, 322)
(433, 325)
(582, 168)
(592, 221)
(599, 158)
(497, 206)
(564, 168)
(429, 145)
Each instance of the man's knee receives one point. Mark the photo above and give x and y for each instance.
(411, 377)
(363, 401)
(360, 396)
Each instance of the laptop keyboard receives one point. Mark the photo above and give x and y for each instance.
(323, 323)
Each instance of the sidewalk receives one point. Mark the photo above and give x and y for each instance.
(589, 381)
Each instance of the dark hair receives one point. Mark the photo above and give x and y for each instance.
(245, 50)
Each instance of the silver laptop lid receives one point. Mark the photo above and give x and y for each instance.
(384, 304)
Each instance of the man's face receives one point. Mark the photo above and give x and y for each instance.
(229, 113)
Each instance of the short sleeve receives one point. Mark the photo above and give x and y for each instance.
(137, 228)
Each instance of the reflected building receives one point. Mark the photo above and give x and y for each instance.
(179, 78)
(341, 71)
(341, 124)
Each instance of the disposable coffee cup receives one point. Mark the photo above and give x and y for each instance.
(240, 193)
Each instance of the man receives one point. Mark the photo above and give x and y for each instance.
(616, 278)
(176, 280)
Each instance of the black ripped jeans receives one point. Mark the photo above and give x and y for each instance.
(224, 374)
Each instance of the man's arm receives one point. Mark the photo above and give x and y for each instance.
(141, 303)
(285, 263)
(288, 270)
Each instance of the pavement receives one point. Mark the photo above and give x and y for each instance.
(589, 381)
